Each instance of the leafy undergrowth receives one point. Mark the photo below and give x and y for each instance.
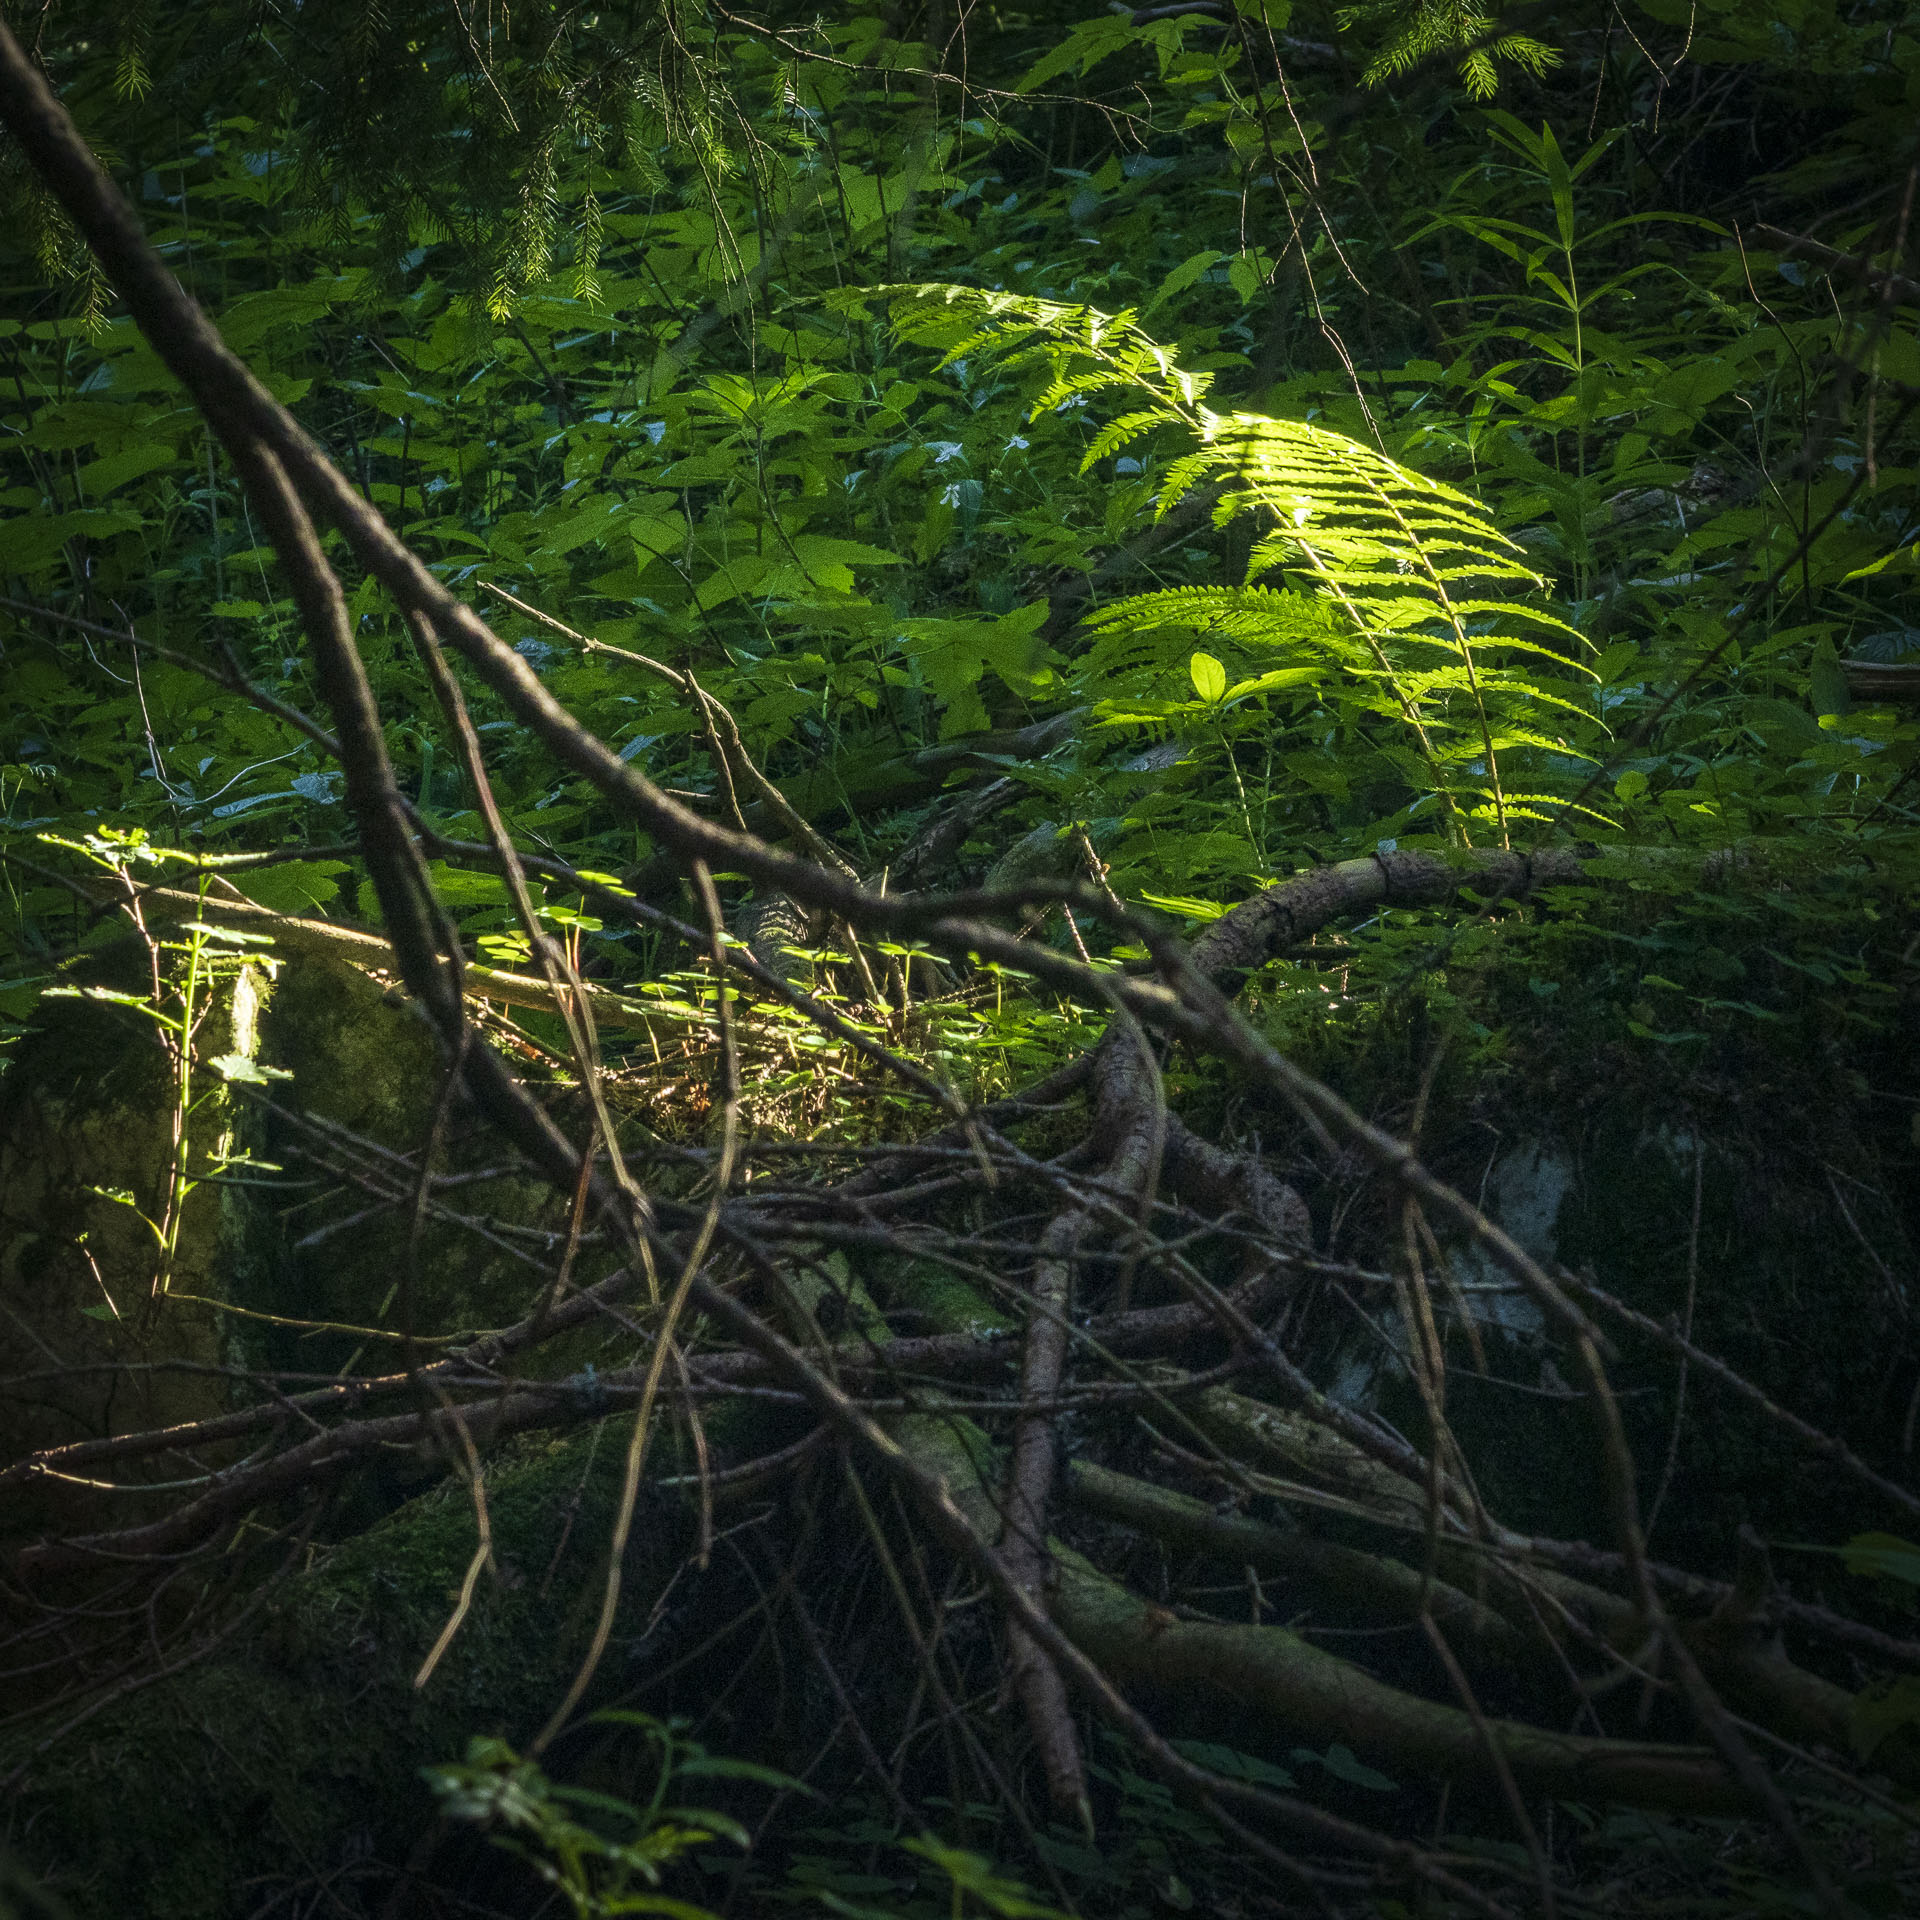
(1400, 504)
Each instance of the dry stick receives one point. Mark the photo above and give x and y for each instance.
(1495, 1752)
(717, 713)
(468, 1461)
(525, 1404)
(1717, 1723)
(482, 1554)
(875, 1766)
(562, 978)
(1893, 287)
(1827, 1447)
(1023, 1540)
(912, 1726)
(1686, 1333)
(952, 1713)
(926, 1644)
(932, 1495)
(1896, 1290)
(1426, 1357)
(664, 1341)
(576, 1215)
(469, 1456)
(1143, 1160)
(1430, 1377)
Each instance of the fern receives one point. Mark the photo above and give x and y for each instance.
(1365, 574)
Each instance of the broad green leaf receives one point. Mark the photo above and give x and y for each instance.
(1185, 275)
(1883, 1556)
(291, 886)
(30, 543)
(243, 1068)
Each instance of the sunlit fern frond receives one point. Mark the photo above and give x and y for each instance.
(961, 321)
(1369, 569)
(1253, 616)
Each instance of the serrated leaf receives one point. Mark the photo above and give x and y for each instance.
(243, 1069)
(291, 886)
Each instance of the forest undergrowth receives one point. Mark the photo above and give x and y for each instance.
(959, 963)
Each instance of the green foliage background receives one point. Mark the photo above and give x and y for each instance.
(579, 324)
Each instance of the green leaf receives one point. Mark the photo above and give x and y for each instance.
(1235, 1765)
(971, 1874)
(460, 888)
(1882, 1556)
(1341, 1763)
(1247, 272)
(1088, 44)
(659, 1903)
(1209, 677)
(244, 1069)
(1900, 560)
(226, 936)
(291, 886)
(1828, 683)
(715, 1767)
(100, 477)
(30, 543)
(1187, 907)
(18, 998)
(1883, 1710)
(1185, 275)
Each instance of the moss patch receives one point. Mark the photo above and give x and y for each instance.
(301, 1752)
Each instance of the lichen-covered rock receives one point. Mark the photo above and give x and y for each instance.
(367, 1068)
(357, 1058)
